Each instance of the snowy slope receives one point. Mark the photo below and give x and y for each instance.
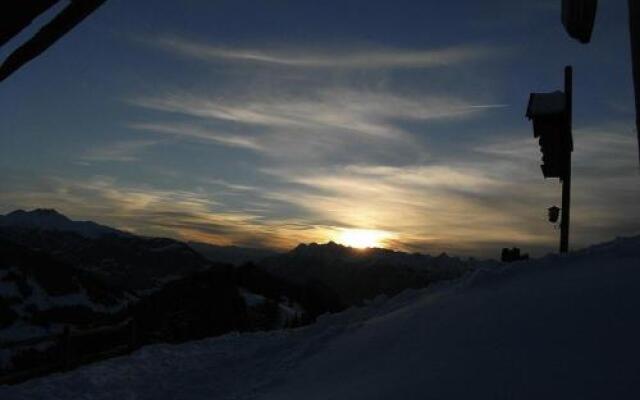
(39, 295)
(556, 328)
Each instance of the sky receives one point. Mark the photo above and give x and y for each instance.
(270, 123)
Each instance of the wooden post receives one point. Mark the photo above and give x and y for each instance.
(566, 179)
(634, 31)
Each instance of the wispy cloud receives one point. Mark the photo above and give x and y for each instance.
(350, 110)
(191, 131)
(604, 177)
(368, 58)
(119, 151)
(440, 207)
(147, 210)
(603, 147)
(234, 187)
(330, 123)
(495, 197)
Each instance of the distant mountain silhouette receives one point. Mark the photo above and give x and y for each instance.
(235, 255)
(56, 272)
(332, 251)
(359, 274)
(131, 262)
(51, 220)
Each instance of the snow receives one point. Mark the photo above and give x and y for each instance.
(287, 309)
(290, 310)
(44, 301)
(561, 327)
(251, 299)
(23, 328)
(546, 104)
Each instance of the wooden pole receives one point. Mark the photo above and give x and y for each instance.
(634, 30)
(566, 179)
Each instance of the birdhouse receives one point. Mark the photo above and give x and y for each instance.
(554, 213)
(548, 112)
(578, 17)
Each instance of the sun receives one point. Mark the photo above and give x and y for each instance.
(361, 238)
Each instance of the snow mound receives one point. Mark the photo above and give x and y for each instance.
(562, 327)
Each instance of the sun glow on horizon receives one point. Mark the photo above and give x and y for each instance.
(361, 238)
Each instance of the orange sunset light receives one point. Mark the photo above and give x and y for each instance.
(362, 238)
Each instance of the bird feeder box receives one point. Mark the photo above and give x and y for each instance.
(548, 112)
(578, 17)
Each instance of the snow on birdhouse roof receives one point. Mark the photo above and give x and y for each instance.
(545, 104)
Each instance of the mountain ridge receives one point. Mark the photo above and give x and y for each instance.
(51, 220)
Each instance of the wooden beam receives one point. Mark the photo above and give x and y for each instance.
(61, 24)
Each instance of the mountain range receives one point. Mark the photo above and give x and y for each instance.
(51, 220)
(142, 263)
(355, 275)
(56, 272)
(235, 255)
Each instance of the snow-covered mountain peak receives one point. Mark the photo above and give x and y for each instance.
(51, 220)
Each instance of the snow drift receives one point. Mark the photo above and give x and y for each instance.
(563, 327)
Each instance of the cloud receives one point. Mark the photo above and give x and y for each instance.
(608, 149)
(444, 207)
(492, 198)
(346, 58)
(233, 187)
(325, 125)
(143, 209)
(119, 151)
(347, 110)
(191, 131)
(604, 177)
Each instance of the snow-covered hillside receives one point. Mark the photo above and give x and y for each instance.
(555, 328)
